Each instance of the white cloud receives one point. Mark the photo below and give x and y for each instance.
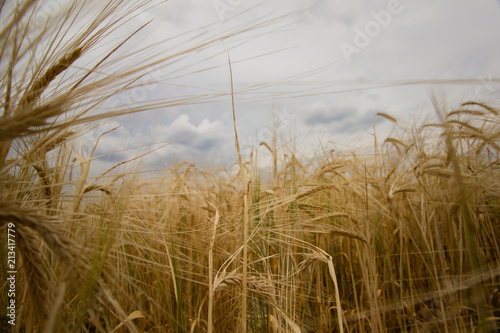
(189, 134)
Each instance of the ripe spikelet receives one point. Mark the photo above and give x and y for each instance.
(101, 188)
(439, 172)
(260, 286)
(263, 143)
(465, 111)
(386, 116)
(435, 165)
(405, 190)
(433, 125)
(311, 226)
(484, 106)
(347, 233)
(396, 142)
(313, 256)
(42, 83)
(315, 190)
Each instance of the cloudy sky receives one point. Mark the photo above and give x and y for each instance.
(316, 70)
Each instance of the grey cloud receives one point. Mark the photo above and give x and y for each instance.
(330, 115)
(429, 39)
(335, 119)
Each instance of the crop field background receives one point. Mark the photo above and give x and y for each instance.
(403, 237)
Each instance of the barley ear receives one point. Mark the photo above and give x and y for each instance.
(43, 82)
(39, 287)
(61, 245)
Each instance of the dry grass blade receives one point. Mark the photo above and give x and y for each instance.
(56, 306)
(291, 324)
(134, 315)
(120, 313)
(331, 270)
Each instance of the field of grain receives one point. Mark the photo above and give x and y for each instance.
(405, 238)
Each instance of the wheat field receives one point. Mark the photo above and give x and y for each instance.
(405, 238)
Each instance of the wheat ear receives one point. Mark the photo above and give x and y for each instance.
(210, 271)
(42, 83)
(62, 246)
(259, 286)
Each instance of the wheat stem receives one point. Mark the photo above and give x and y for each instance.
(245, 181)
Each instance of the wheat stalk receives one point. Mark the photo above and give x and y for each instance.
(210, 270)
(245, 181)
